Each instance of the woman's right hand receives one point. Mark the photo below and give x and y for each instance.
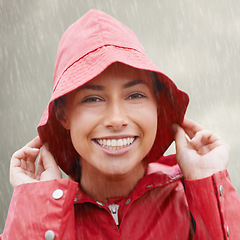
(23, 169)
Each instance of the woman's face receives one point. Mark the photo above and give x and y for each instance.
(113, 121)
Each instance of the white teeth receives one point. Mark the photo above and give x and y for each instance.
(119, 142)
(115, 143)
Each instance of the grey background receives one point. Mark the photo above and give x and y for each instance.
(195, 42)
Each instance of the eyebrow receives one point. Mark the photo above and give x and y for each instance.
(92, 87)
(101, 88)
(134, 82)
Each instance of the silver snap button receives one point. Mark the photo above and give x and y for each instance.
(149, 186)
(49, 235)
(57, 194)
(221, 190)
(75, 199)
(128, 201)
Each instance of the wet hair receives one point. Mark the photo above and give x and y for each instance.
(59, 106)
(156, 83)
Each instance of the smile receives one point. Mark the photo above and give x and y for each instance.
(114, 144)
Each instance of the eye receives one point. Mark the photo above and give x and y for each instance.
(136, 96)
(92, 99)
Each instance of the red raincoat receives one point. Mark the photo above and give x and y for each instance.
(158, 207)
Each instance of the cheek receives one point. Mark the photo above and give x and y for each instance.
(79, 130)
(82, 128)
(147, 120)
(152, 122)
(79, 121)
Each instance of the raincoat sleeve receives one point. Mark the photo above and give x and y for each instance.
(42, 210)
(215, 207)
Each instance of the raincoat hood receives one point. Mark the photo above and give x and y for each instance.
(85, 50)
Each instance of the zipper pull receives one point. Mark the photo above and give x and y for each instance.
(114, 211)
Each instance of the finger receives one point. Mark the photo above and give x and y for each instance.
(22, 173)
(40, 168)
(219, 143)
(35, 143)
(203, 150)
(24, 166)
(28, 165)
(28, 152)
(48, 159)
(203, 138)
(25, 153)
(51, 169)
(191, 127)
(180, 138)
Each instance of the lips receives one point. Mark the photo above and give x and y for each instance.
(114, 144)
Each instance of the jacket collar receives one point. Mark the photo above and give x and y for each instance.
(157, 175)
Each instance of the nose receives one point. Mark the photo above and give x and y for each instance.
(116, 117)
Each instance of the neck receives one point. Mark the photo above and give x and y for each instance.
(102, 187)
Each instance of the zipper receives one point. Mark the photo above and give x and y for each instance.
(114, 211)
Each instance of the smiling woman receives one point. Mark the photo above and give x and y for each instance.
(116, 107)
(111, 117)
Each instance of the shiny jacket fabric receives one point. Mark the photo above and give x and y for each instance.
(158, 208)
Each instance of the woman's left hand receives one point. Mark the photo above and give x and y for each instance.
(203, 154)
